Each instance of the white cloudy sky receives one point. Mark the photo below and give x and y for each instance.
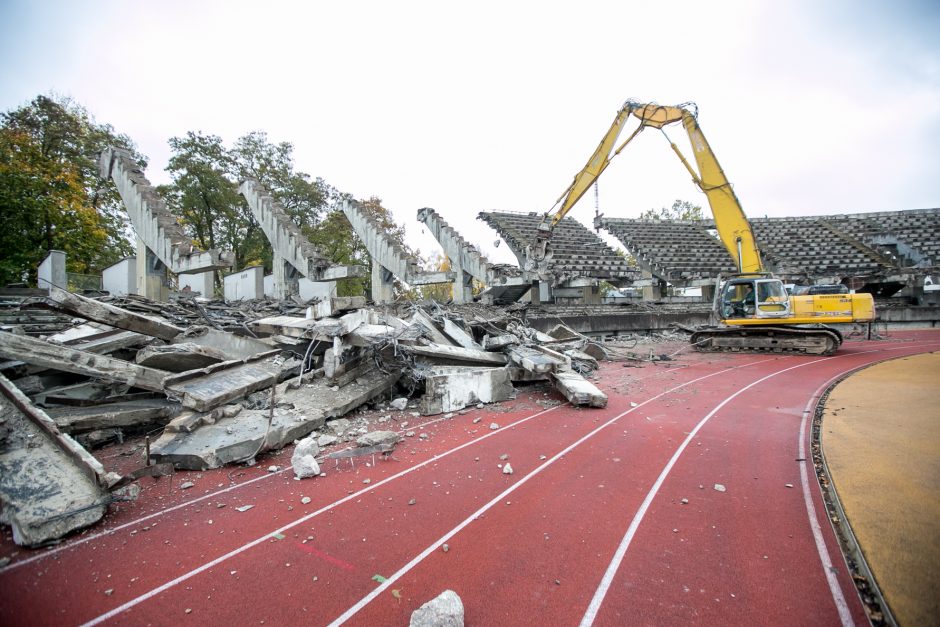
(812, 107)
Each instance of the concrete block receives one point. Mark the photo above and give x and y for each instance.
(201, 283)
(120, 279)
(52, 271)
(245, 285)
(453, 388)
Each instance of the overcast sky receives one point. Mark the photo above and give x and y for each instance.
(812, 107)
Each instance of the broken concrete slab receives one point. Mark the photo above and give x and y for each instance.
(219, 387)
(437, 353)
(188, 420)
(249, 433)
(534, 360)
(499, 342)
(578, 390)
(329, 307)
(431, 327)
(234, 346)
(450, 388)
(89, 309)
(49, 485)
(124, 414)
(179, 357)
(459, 335)
(40, 353)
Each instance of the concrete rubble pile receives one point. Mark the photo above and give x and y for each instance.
(215, 384)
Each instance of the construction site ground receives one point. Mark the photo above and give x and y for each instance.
(691, 498)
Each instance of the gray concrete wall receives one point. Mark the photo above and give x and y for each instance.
(52, 270)
(120, 279)
(245, 285)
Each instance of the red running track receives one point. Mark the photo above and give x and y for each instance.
(610, 517)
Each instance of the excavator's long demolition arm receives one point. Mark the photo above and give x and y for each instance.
(730, 221)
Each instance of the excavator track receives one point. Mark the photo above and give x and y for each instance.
(804, 339)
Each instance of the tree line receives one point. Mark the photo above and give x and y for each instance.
(51, 197)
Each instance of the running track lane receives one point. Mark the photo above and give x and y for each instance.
(264, 586)
(711, 569)
(142, 559)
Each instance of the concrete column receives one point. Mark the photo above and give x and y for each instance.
(151, 274)
(51, 271)
(591, 295)
(461, 289)
(383, 290)
(202, 283)
(708, 293)
(285, 280)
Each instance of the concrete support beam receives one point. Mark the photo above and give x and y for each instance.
(388, 254)
(151, 219)
(151, 274)
(294, 254)
(383, 283)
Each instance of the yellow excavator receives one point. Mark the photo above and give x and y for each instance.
(753, 309)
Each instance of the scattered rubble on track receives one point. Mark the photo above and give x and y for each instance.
(215, 383)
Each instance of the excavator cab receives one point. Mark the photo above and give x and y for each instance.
(753, 297)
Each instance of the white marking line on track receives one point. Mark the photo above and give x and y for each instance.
(421, 556)
(845, 614)
(591, 613)
(303, 519)
(132, 523)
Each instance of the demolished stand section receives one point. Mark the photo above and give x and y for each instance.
(506, 284)
(389, 260)
(293, 253)
(161, 242)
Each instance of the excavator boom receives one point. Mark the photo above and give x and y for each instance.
(755, 311)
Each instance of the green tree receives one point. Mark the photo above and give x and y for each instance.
(50, 193)
(680, 210)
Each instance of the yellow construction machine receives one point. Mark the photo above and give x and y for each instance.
(753, 309)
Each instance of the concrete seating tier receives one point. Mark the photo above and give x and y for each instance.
(673, 250)
(815, 246)
(577, 252)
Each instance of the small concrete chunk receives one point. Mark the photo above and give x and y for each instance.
(376, 438)
(444, 611)
(304, 458)
(399, 403)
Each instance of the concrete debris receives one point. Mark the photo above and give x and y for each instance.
(179, 357)
(444, 611)
(304, 458)
(49, 485)
(507, 469)
(228, 381)
(376, 438)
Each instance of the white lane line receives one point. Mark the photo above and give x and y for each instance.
(431, 549)
(591, 613)
(266, 536)
(834, 588)
(137, 521)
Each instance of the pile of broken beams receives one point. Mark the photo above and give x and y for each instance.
(218, 396)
